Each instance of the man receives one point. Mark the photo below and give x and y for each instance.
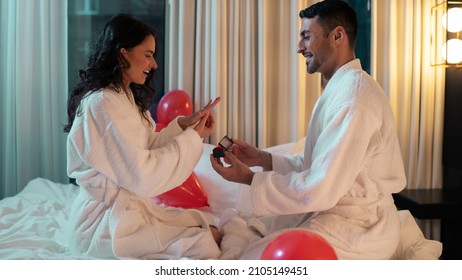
(341, 188)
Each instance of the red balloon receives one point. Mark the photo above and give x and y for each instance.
(173, 104)
(299, 244)
(160, 126)
(187, 195)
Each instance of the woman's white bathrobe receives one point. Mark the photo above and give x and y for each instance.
(351, 165)
(120, 163)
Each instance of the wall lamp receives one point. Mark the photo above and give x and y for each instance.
(446, 41)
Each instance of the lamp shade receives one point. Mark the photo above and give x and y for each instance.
(452, 20)
(452, 51)
(445, 34)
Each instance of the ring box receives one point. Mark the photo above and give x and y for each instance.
(224, 144)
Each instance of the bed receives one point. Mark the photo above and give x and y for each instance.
(32, 222)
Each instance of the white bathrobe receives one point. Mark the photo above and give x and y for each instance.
(341, 188)
(120, 163)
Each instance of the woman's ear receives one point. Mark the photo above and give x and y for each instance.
(123, 51)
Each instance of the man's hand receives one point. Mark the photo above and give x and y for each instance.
(236, 171)
(250, 155)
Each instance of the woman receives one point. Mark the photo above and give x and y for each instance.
(120, 162)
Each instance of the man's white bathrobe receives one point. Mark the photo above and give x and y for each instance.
(351, 165)
(120, 163)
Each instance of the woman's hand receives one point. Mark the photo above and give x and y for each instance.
(194, 118)
(206, 125)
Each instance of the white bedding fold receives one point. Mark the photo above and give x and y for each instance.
(32, 223)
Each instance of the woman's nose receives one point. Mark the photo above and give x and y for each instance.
(153, 64)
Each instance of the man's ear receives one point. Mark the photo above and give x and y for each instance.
(338, 35)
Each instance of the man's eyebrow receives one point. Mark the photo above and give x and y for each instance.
(303, 32)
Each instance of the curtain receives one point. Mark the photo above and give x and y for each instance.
(401, 64)
(33, 90)
(244, 52)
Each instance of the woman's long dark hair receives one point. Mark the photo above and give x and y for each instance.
(104, 64)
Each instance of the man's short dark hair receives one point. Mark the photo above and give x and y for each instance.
(333, 13)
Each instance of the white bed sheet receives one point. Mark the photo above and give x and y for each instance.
(32, 223)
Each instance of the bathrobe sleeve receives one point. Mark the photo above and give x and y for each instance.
(163, 137)
(350, 137)
(111, 139)
(284, 164)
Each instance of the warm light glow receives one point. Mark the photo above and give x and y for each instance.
(453, 19)
(454, 53)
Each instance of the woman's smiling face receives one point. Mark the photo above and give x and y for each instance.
(141, 60)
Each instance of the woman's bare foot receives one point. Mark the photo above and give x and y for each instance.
(216, 234)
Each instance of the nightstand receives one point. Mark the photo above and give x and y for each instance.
(443, 204)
